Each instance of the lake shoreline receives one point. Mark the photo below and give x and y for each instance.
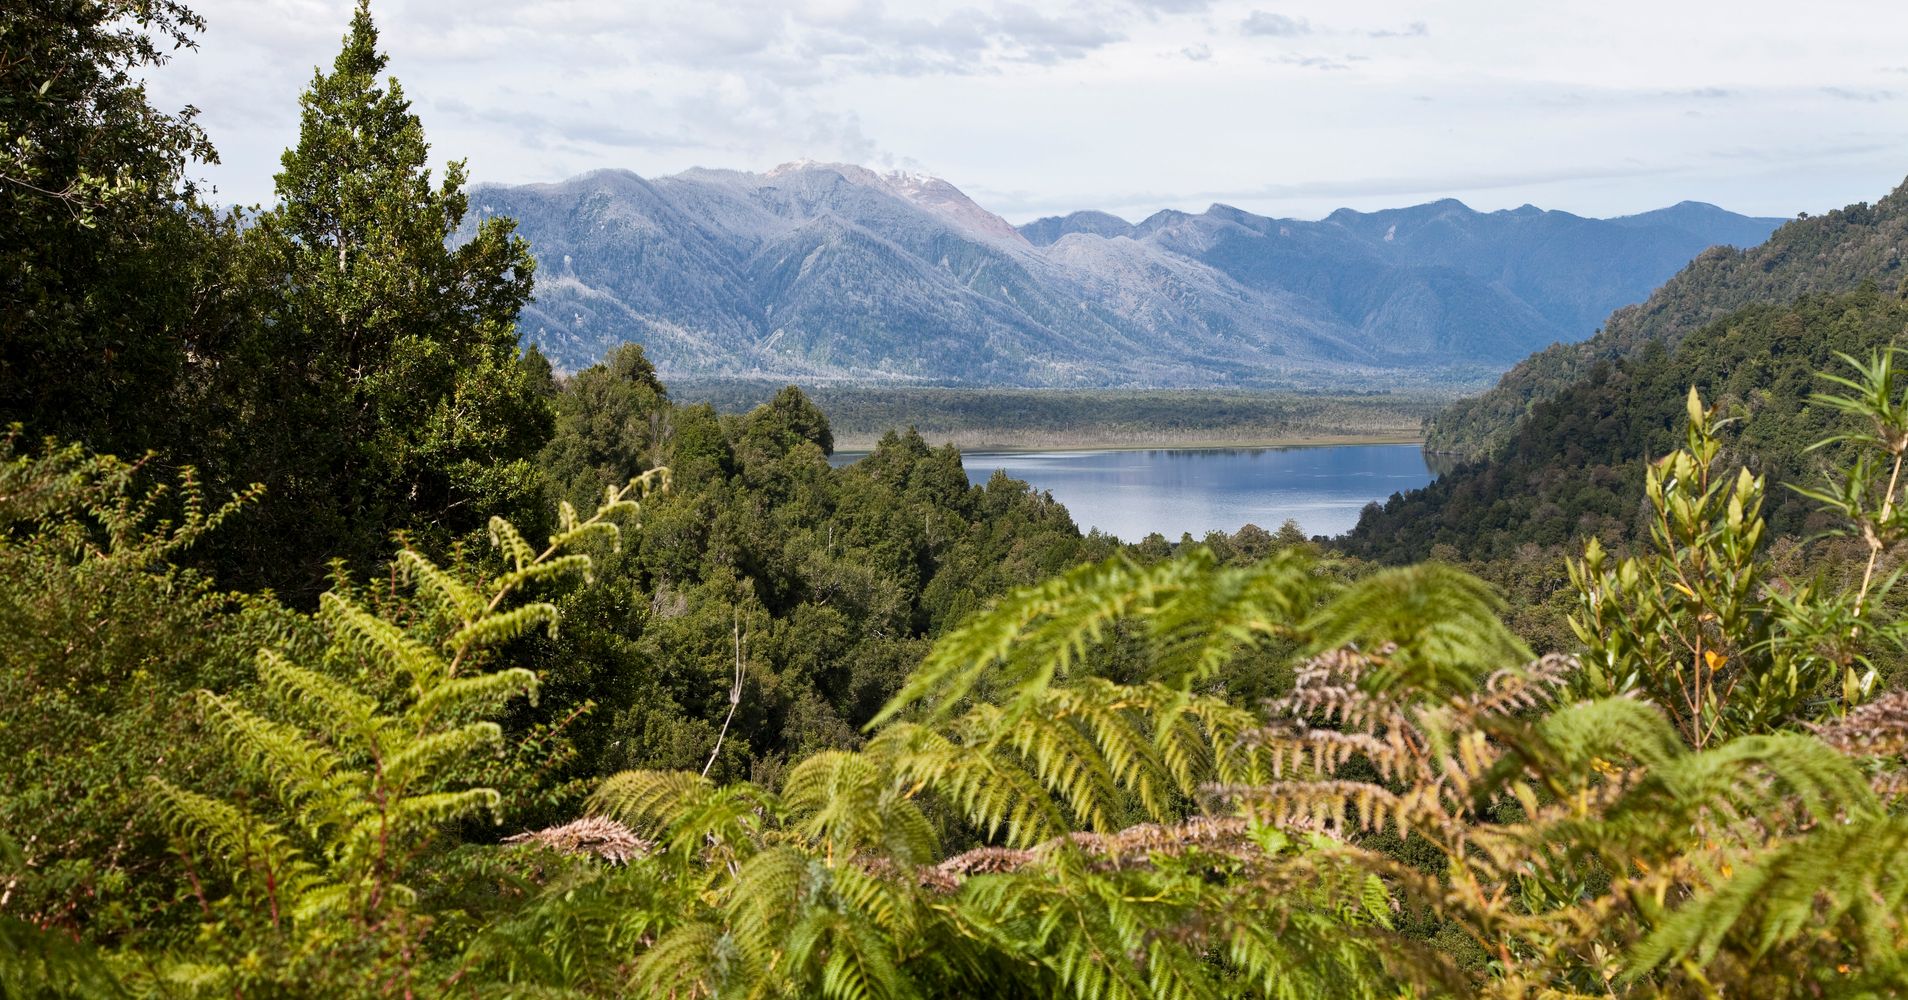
(862, 444)
(1132, 493)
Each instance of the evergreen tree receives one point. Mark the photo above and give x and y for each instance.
(384, 390)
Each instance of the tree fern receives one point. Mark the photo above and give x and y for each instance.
(362, 781)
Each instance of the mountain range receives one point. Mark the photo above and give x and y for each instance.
(832, 273)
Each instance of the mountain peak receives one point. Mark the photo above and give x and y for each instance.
(1046, 231)
(834, 270)
(924, 191)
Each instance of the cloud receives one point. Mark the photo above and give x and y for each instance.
(1265, 22)
(1416, 29)
(1038, 37)
(1172, 6)
(1867, 96)
(1040, 95)
(1319, 62)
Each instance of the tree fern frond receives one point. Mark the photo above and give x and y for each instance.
(461, 600)
(1030, 636)
(1200, 624)
(253, 851)
(436, 809)
(380, 641)
(474, 694)
(509, 541)
(502, 627)
(434, 754)
(1756, 777)
(691, 962)
(1444, 624)
(1856, 871)
(650, 801)
(306, 775)
(554, 568)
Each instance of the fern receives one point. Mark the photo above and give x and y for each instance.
(364, 781)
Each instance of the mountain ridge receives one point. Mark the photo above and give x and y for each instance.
(1828, 253)
(833, 272)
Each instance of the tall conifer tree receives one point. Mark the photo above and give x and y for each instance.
(386, 392)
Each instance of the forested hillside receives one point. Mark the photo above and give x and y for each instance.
(1812, 255)
(1574, 469)
(824, 584)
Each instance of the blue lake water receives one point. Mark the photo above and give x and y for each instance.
(1130, 494)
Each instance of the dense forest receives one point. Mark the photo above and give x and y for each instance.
(350, 651)
(1574, 469)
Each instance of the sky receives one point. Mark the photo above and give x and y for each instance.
(1041, 107)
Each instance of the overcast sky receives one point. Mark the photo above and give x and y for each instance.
(1040, 107)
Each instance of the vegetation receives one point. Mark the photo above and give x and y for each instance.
(1095, 418)
(1575, 467)
(716, 718)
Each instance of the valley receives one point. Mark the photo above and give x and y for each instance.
(808, 583)
(1086, 419)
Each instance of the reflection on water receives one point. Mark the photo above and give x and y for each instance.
(1441, 463)
(1133, 493)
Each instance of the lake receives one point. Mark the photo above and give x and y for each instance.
(1130, 494)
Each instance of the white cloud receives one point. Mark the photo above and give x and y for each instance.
(1265, 22)
(1128, 105)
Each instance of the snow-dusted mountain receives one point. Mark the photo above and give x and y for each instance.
(817, 271)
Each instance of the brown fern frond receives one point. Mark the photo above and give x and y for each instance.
(1877, 729)
(591, 836)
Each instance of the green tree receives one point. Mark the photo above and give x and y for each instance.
(611, 418)
(384, 390)
(104, 255)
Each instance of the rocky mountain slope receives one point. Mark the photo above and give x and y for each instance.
(826, 272)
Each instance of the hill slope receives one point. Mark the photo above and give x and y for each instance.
(825, 272)
(1827, 253)
(1574, 468)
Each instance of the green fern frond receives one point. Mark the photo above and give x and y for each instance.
(475, 694)
(253, 851)
(1445, 625)
(302, 772)
(690, 962)
(328, 698)
(425, 759)
(1852, 875)
(461, 600)
(1209, 613)
(552, 569)
(649, 801)
(379, 641)
(1755, 777)
(502, 627)
(506, 538)
(1030, 636)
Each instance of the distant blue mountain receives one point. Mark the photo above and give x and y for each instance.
(826, 272)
